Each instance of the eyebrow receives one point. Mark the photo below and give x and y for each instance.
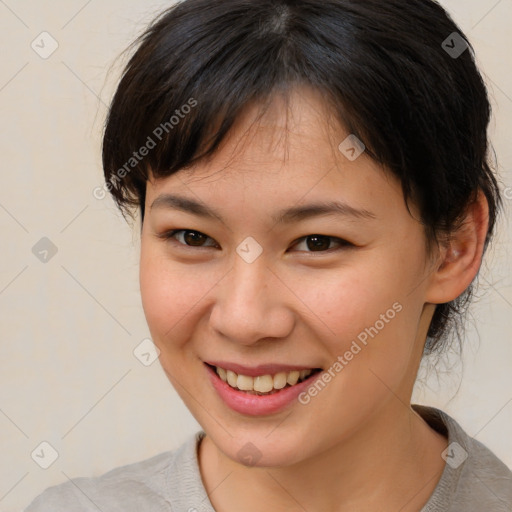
(285, 216)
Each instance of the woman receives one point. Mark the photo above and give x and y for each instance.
(315, 199)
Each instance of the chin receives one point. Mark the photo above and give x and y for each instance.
(259, 449)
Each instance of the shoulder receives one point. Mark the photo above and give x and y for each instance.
(127, 487)
(140, 485)
(474, 478)
(485, 478)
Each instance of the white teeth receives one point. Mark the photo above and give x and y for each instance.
(262, 383)
(293, 377)
(280, 380)
(244, 383)
(231, 378)
(222, 373)
(304, 373)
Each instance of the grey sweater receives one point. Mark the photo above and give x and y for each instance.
(473, 480)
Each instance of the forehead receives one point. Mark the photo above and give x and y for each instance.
(285, 155)
(284, 130)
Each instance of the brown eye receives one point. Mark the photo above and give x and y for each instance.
(194, 238)
(321, 243)
(318, 243)
(190, 237)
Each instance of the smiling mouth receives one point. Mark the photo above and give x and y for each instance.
(263, 384)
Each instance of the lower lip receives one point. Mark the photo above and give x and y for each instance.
(257, 405)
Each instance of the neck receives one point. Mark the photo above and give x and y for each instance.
(393, 463)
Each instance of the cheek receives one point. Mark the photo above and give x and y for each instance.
(174, 297)
(368, 325)
(365, 312)
(167, 296)
(343, 302)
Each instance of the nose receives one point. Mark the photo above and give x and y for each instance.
(252, 303)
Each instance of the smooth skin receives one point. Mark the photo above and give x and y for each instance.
(357, 445)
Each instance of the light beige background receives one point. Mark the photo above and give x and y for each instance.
(70, 325)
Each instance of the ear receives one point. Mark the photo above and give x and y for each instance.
(461, 255)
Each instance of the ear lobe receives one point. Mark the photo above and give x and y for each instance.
(461, 255)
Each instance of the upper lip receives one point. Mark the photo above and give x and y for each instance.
(261, 369)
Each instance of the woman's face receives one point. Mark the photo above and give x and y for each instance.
(252, 286)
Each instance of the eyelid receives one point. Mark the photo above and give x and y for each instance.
(169, 236)
(341, 241)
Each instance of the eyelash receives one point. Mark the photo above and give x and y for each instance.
(169, 236)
